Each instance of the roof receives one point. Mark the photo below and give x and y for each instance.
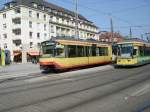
(135, 42)
(47, 5)
(74, 41)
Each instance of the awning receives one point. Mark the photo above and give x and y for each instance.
(16, 53)
(34, 53)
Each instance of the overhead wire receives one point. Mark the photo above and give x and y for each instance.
(131, 8)
(109, 14)
(113, 16)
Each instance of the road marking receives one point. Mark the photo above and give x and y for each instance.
(36, 79)
(69, 79)
(139, 92)
(145, 89)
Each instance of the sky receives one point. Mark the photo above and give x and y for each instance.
(124, 13)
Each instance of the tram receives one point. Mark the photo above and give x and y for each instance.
(66, 53)
(133, 53)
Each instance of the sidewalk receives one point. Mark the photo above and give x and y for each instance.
(15, 70)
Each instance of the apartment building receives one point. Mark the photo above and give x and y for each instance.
(24, 24)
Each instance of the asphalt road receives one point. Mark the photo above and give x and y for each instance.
(100, 89)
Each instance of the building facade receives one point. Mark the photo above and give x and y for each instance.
(105, 36)
(24, 24)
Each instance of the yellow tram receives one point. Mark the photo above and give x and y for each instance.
(133, 53)
(63, 53)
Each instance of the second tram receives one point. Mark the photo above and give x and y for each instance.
(133, 53)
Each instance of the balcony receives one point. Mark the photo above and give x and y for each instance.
(16, 26)
(17, 44)
(16, 15)
(16, 37)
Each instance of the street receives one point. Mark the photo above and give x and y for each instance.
(98, 89)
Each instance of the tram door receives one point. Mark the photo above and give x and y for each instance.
(2, 57)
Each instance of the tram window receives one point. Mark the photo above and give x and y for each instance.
(87, 51)
(146, 51)
(80, 50)
(90, 51)
(141, 49)
(71, 51)
(97, 52)
(103, 51)
(48, 50)
(60, 52)
(106, 51)
(93, 50)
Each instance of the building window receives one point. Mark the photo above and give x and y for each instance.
(38, 15)
(35, 5)
(63, 21)
(30, 13)
(4, 26)
(6, 6)
(31, 34)
(38, 45)
(51, 18)
(45, 27)
(57, 19)
(5, 45)
(44, 17)
(31, 44)
(17, 42)
(17, 31)
(30, 24)
(4, 16)
(16, 20)
(5, 36)
(38, 35)
(67, 22)
(52, 29)
(17, 10)
(45, 36)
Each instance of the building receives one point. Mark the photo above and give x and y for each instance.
(105, 36)
(24, 24)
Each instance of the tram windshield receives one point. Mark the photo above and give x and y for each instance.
(52, 49)
(125, 50)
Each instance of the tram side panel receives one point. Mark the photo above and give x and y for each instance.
(103, 55)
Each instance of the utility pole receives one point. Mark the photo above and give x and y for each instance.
(76, 19)
(130, 34)
(112, 30)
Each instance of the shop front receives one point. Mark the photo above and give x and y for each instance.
(17, 56)
(33, 56)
